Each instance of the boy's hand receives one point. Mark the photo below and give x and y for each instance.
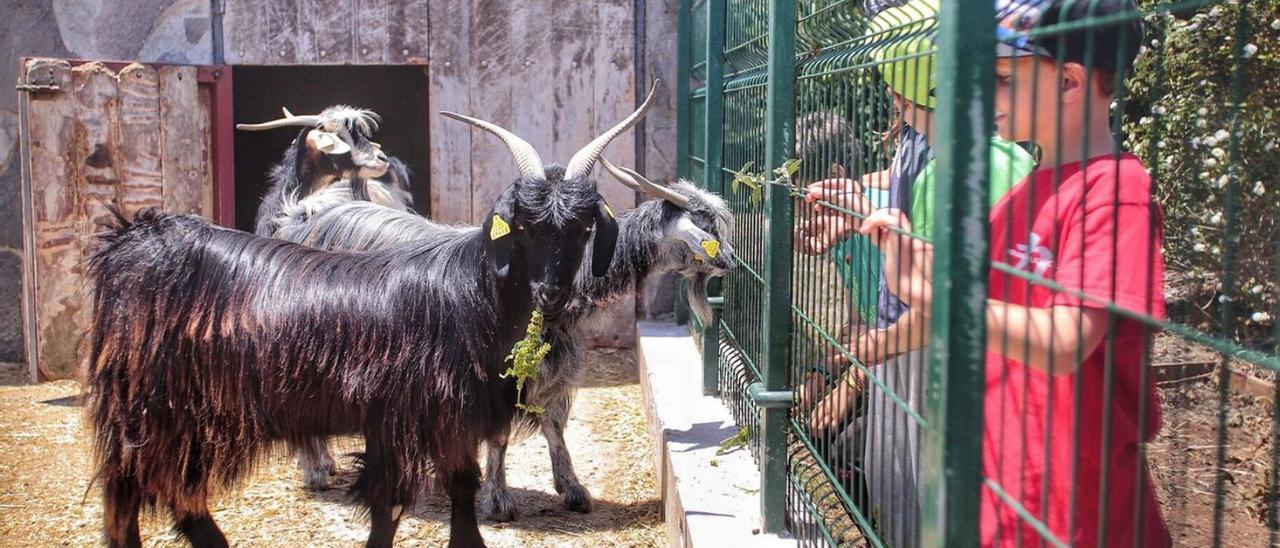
(838, 405)
(827, 189)
(840, 192)
(907, 261)
(820, 233)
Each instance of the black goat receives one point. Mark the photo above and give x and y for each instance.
(209, 345)
(687, 230)
(334, 145)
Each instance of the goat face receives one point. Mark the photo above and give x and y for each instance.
(700, 238)
(539, 228)
(341, 142)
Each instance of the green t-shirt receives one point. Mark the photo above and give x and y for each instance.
(858, 260)
(1010, 163)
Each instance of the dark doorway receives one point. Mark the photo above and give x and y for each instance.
(397, 93)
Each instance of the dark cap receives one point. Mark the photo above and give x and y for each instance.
(1015, 18)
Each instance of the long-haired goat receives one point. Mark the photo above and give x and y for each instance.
(333, 146)
(686, 229)
(209, 345)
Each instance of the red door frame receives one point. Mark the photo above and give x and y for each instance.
(222, 155)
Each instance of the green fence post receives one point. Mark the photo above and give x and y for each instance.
(711, 349)
(714, 153)
(684, 112)
(779, 145)
(684, 121)
(953, 448)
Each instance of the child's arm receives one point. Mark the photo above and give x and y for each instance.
(1048, 339)
(910, 332)
(1053, 340)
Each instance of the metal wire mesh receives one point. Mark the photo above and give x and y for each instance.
(1070, 413)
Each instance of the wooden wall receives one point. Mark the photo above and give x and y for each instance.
(138, 138)
(556, 73)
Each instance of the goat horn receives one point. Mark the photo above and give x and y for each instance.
(620, 175)
(581, 163)
(649, 187)
(526, 157)
(289, 120)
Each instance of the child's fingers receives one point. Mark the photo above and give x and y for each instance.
(826, 188)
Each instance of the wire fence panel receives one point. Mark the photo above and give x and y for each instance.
(1090, 186)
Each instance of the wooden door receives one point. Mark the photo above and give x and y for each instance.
(94, 133)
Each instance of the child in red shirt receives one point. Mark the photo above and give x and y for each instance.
(1066, 406)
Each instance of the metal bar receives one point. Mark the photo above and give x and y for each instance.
(776, 351)
(770, 399)
(222, 142)
(684, 47)
(711, 348)
(952, 466)
(28, 236)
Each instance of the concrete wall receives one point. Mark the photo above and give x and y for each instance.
(180, 32)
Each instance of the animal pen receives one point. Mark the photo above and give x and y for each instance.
(766, 82)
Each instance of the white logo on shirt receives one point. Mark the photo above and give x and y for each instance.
(1032, 253)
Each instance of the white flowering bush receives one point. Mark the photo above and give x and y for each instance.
(1179, 121)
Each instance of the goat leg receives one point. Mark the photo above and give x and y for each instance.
(199, 528)
(496, 499)
(462, 484)
(552, 422)
(316, 463)
(121, 503)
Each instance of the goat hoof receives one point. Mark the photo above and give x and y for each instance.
(577, 499)
(316, 478)
(498, 504)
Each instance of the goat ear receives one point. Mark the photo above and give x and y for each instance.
(606, 239)
(326, 142)
(497, 228)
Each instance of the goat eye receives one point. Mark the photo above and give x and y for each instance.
(589, 229)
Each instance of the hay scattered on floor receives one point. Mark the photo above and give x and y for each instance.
(44, 473)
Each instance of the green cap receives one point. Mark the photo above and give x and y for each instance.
(903, 43)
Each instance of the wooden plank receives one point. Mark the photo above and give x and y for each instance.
(409, 23)
(54, 172)
(660, 62)
(326, 31)
(491, 166)
(184, 137)
(450, 77)
(572, 60)
(614, 89)
(140, 140)
(261, 32)
(614, 97)
(207, 199)
(370, 29)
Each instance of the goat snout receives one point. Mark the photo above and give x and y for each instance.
(549, 297)
(724, 262)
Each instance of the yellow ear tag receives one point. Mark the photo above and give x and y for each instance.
(499, 228)
(609, 210)
(712, 247)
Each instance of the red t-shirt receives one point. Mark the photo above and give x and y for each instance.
(1091, 228)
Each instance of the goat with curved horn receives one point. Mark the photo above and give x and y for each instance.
(527, 159)
(638, 182)
(306, 120)
(582, 161)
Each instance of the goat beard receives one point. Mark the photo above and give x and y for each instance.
(696, 294)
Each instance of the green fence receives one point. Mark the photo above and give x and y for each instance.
(884, 414)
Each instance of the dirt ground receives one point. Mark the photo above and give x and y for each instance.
(44, 475)
(1184, 456)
